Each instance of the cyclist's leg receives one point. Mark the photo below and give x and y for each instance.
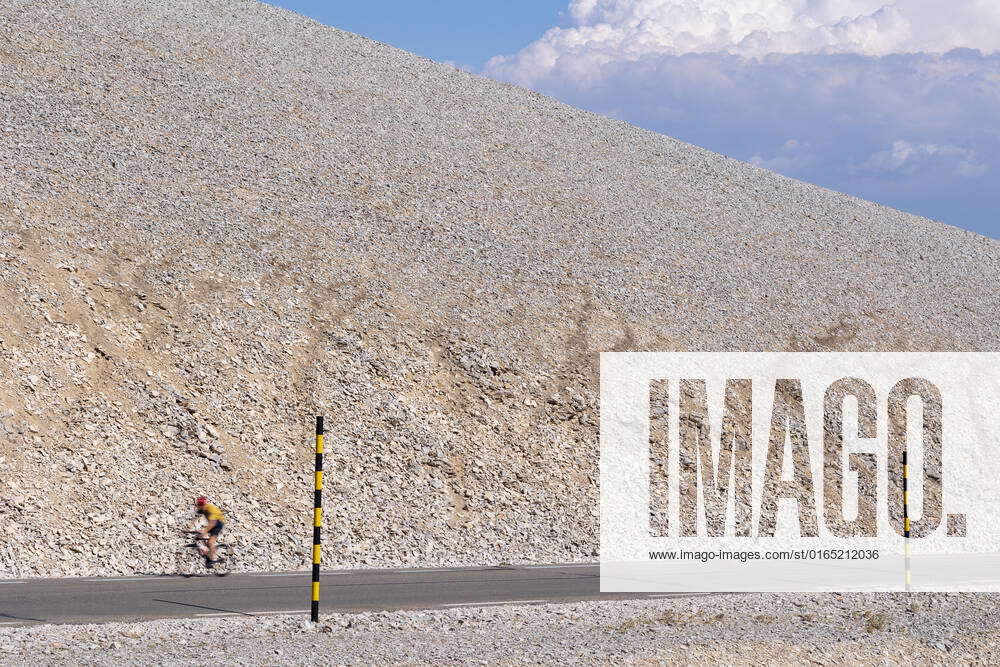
(213, 537)
(201, 546)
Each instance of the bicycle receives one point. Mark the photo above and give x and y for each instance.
(187, 568)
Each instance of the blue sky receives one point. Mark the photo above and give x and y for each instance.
(896, 102)
(466, 32)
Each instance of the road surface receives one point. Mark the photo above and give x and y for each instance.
(97, 600)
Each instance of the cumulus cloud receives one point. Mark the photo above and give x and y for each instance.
(604, 30)
(462, 66)
(890, 101)
(792, 156)
(905, 157)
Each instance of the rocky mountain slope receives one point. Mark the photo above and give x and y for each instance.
(218, 219)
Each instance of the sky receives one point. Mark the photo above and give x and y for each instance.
(466, 33)
(896, 102)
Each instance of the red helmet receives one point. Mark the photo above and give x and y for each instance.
(200, 500)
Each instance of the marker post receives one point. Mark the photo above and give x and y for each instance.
(317, 519)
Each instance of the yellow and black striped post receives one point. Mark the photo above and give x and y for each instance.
(317, 519)
(906, 522)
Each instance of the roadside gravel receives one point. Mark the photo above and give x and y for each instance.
(734, 629)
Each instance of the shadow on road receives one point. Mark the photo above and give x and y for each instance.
(22, 618)
(199, 606)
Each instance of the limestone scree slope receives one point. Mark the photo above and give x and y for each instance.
(218, 218)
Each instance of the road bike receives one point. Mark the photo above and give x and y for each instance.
(198, 567)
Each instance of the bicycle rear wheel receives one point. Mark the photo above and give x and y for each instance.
(224, 565)
(189, 562)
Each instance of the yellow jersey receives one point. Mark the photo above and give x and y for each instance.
(212, 513)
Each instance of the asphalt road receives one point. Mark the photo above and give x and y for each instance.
(96, 600)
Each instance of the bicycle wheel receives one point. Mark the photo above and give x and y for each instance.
(189, 563)
(224, 565)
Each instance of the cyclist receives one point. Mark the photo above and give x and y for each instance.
(215, 523)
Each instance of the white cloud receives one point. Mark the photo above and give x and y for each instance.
(905, 157)
(457, 65)
(613, 30)
(889, 101)
(793, 156)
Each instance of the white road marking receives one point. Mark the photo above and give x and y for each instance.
(490, 603)
(13, 582)
(340, 573)
(257, 613)
(553, 567)
(225, 613)
(114, 578)
(14, 622)
(431, 569)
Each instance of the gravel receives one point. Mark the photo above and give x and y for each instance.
(218, 219)
(735, 629)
